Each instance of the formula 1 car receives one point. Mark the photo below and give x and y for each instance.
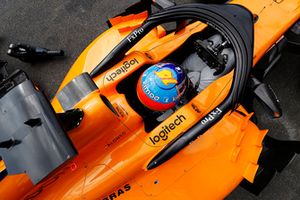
(98, 140)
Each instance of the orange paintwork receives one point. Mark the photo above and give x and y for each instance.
(113, 151)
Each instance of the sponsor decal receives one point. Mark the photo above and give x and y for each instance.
(148, 92)
(166, 77)
(211, 116)
(120, 70)
(165, 130)
(118, 193)
(115, 139)
(135, 34)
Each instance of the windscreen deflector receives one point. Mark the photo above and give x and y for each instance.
(31, 139)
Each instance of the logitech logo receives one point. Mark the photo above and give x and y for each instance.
(165, 130)
(123, 69)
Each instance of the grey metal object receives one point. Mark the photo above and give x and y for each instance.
(40, 143)
(202, 75)
(76, 90)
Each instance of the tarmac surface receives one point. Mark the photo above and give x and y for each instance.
(72, 24)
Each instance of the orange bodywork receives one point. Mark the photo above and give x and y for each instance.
(2, 166)
(114, 150)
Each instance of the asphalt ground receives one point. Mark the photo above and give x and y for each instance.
(72, 24)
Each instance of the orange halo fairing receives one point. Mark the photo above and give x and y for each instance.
(114, 150)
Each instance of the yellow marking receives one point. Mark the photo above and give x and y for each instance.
(2, 166)
(166, 77)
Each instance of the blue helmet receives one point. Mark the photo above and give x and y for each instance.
(161, 86)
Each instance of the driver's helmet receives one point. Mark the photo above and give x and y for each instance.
(161, 86)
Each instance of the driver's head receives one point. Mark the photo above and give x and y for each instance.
(161, 86)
